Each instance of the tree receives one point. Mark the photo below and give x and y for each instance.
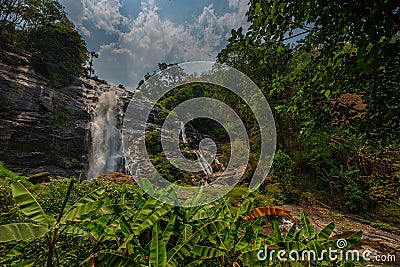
(91, 56)
(43, 28)
(10, 15)
(353, 47)
(58, 52)
(24, 14)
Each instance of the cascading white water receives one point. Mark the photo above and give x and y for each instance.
(183, 133)
(105, 154)
(205, 166)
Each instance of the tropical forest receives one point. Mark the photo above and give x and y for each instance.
(291, 157)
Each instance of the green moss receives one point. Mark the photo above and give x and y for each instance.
(237, 194)
(62, 119)
(8, 175)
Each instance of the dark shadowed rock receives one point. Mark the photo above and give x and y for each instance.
(46, 129)
(41, 128)
(41, 177)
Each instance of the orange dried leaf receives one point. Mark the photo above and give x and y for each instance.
(265, 211)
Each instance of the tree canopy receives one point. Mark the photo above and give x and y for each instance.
(336, 47)
(330, 71)
(42, 28)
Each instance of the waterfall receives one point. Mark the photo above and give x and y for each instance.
(219, 164)
(105, 153)
(207, 169)
(183, 133)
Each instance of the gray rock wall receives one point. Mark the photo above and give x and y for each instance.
(44, 128)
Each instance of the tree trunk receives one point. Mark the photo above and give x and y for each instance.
(50, 256)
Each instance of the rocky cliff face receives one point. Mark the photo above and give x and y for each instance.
(106, 106)
(44, 128)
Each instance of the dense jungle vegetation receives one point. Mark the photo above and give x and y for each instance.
(335, 96)
(43, 29)
(330, 72)
(120, 225)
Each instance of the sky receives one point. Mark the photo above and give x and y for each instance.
(133, 36)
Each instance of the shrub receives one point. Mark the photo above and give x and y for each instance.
(58, 52)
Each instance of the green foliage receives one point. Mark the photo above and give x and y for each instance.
(62, 119)
(153, 142)
(8, 211)
(347, 54)
(27, 14)
(6, 174)
(58, 52)
(120, 226)
(48, 227)
(275, 193)
(283, 168)
(332, 79)
(183, 93)
(42, 28)
(283, 185)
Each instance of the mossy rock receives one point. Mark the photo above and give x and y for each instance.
(41, 177)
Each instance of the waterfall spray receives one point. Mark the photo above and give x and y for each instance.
(105, 154)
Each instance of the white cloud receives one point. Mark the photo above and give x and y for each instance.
(149, 38)
(104, 14)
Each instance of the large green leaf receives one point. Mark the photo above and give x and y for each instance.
(250, 235)
(92, 197)
(138, 216)
(110, 258)
(245, 207)
(291, 234)
(212, 227)
(28, 204)
(21, 232)
(152, 218)
(195, 263)
(29, 263)
(308, 229)
(81, 211)
(186, 244)
(17, 250)
(277, 234)
(111, 209)
(205, 212)
(100, 229)
(158, 250)
(354, 238)
(326, 232)
(74, 231)
(74, 212)
(186, 233)
(207, 252)
(168, 230)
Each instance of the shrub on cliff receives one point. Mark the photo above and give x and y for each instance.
(42, 28)
(58, 52)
